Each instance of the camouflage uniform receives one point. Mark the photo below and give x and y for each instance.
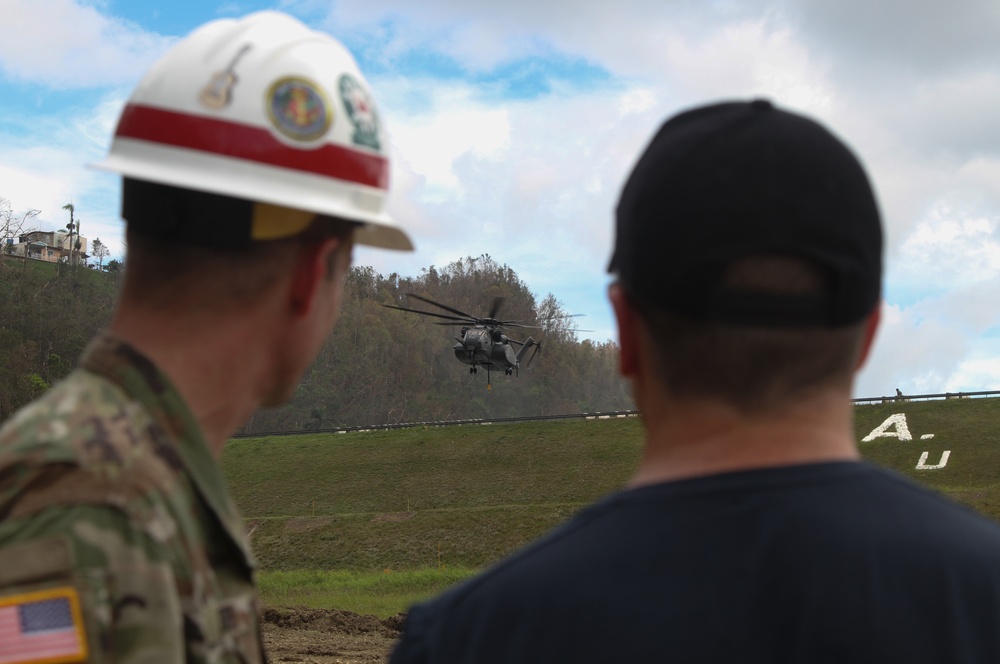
(109, 494)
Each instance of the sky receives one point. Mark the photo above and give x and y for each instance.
(514, 125)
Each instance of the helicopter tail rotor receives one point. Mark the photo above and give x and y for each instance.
(538, 349)
(525, 347)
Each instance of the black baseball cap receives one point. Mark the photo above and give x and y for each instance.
(736, 179)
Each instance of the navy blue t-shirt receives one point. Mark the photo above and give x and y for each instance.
(831, 562)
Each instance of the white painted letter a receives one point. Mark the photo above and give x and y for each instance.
(882, 431)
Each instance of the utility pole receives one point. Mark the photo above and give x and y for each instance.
(71, 226)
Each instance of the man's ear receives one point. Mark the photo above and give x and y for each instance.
(871, 327)
(628, 331)
(310, 271)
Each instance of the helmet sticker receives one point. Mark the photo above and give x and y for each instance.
(361, 112)
(218, 92)
(298, 110)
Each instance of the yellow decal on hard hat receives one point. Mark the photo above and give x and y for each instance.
(272, 222)
(298, 110)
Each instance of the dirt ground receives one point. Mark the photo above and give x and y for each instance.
(328, 636)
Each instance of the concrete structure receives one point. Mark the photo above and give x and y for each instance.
(51, 246)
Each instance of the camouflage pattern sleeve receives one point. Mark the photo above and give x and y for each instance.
(116, 527)
(130, 610)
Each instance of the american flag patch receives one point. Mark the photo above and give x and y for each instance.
(42, 627)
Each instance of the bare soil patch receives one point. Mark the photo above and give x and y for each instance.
(328, 636)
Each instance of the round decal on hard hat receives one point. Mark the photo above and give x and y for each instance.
(298, 109)
(361, 112)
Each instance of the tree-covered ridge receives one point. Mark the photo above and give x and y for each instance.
(382, 365)
(48, 313)
(379, 366)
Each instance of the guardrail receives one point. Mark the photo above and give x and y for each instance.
(587, 416)
(926, 397)
(444, 423)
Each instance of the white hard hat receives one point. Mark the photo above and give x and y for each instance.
(264, 109)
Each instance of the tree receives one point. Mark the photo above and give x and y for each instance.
(73, 226)
(48, 317)
(11, 227)
(100, 252)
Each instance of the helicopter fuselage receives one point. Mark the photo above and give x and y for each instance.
(480, 347)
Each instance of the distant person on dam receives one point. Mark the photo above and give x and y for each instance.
(748, 267)
(253, 159)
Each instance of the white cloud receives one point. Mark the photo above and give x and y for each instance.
(751, 58)
(71, 44)
(951, 248)
(913, 354)
(951, 117)
(977, 373)
(432, 141)
(922, 36)
(943, 343)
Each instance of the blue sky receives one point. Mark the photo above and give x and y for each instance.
(513, 126)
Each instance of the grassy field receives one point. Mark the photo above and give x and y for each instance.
(968, 428)
(371, 521)
(415, 498)
(383, 594)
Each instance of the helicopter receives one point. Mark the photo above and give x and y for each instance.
(482, 341)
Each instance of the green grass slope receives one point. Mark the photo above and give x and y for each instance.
(968, 429)
(464, 496)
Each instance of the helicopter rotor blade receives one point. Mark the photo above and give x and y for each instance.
(435, 315)
(453, 310)
(549, 319)
(495, 309)
(504, 323)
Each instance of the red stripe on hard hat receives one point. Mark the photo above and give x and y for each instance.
(241, 141)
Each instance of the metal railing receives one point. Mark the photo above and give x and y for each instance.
(587, 416)
(926, 397)
(442, 423)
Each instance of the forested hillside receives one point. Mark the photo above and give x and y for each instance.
(380, 365)
(48, 313)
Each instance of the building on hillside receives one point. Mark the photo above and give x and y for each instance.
(51, 246)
